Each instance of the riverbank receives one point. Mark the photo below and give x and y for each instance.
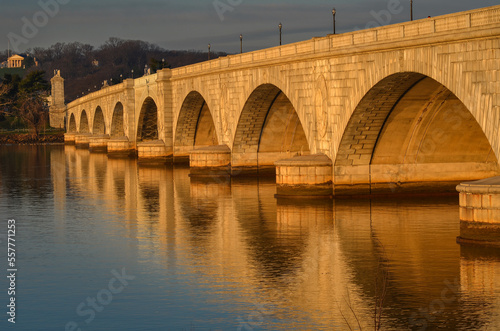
(26, 138)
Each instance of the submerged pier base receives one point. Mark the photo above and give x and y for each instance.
(480, 212)
(82, 140)
(211, 161)
(98, 144)
(120, 147)
(69, 138)
(304, 176)
(152, 152)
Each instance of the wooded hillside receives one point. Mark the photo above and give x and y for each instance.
(83, 66)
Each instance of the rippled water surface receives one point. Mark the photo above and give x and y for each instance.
(221, 255)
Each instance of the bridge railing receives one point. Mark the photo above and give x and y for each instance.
(145, 80)
(118, 88)
(391, 33)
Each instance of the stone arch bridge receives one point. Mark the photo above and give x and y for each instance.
(406, 105)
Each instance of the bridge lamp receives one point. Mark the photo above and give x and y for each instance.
(280, 26)
(333, 13)
(163, 63)
(121, 78)
(132, 73)
(209, 46)
(241, 43)
(411, 10)
(111, 81)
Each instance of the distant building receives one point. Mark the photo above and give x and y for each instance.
(15, 61)
(4, 64)
(95, 63)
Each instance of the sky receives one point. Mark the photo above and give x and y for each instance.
(193, 24)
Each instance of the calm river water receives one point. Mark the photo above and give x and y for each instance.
(109, 245)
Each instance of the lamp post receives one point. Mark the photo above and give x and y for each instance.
(280, 26)
(121, 78)
(333, 13)
(209, 46)
(163, 63)
(411, 10)
(132, 73)
(241, 43)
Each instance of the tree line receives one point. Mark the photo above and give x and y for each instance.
(85, 67)
(23, 101)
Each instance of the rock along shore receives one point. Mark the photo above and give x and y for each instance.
(25, 139)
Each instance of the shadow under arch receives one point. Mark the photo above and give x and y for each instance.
(99, 125)
(268, 130)
(72, 123)
(84, 122)
(147, 127)
(117, 128)
(411, 133)
(195, 126)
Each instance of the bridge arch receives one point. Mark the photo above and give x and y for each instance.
(72, 123)
(99, 125)
(147, 127)
(269, 129)
(117, 121)
(408, 129)
(195, 125)
(84, 122)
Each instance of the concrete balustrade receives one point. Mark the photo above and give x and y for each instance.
(69, 138)
(98, 144)
(153, 152)
(480, 212)
(82, 140)
(304, 176)
(210, 161)
(120, 147)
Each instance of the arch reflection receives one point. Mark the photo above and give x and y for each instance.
(310, 264)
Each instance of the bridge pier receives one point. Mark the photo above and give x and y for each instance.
(304, 176)
(69, 138)
(212, 161)
(119, 147)
(98, 144)
(82, 140)
(153, 152)
(480, 212)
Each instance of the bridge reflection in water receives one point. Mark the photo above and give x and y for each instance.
(288, 263)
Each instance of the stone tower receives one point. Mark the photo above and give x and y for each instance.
(57, 108)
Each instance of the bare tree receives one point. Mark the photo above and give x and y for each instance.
(4, 89)
(33, 109)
